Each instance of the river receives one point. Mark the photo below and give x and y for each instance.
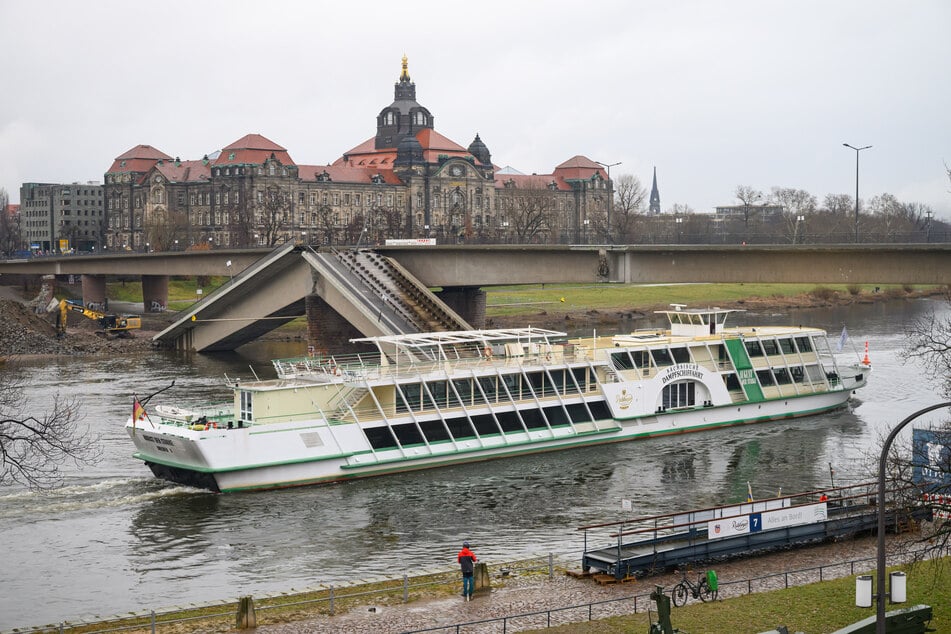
(114, 539)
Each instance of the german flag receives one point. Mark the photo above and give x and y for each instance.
(138, 412)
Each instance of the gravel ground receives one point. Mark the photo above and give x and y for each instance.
(531, 594)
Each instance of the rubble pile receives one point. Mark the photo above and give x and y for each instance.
(24, 332)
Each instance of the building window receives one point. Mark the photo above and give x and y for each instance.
(272, 169)
(336, 199)
(356, 199)
(300, 198)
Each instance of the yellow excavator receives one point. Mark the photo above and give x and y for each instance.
(112, 325)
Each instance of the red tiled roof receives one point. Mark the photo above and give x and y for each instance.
(340, 173)
(141, 158)
(184, 171)
(252, 149)
(579, 167)
(433, 144)
(531, 181)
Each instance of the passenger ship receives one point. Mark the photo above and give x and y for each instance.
(427, 400)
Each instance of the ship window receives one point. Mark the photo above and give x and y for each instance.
(408, 434)
(511, 384)
(537, 381)
(380, 437)
(556, 416)
(509, 422)
(732, 383)
(246, 405)
(487, 383)
(796, 373)
(786, 346)
(464, 390)
(765, 377)
(681, 355)
(600, 410)
(533, 419)
(578, 413)
(437, 390)
(753, 349)
(641, 358)
(460, 428)
(581, 376)
(782, 376)
(804, 344)
(680, 394)
(485, 424)
(556, 380)
(769, 346)
(411, 395)
(622, 360)
(434, 430)
(815, 373)
(661, 358)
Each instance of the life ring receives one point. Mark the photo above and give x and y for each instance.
(488, 352)
(211, 425)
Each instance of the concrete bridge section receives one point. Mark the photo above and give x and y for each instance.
(343, 294)
(826, 264)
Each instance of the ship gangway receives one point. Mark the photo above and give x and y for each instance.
(644, 545)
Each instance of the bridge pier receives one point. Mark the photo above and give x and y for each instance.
(155, 293)
(327, 331)
(94, 291)
(467, 301)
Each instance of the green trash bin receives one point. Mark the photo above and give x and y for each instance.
(712, 580)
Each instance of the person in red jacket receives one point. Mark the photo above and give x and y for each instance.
(467, 559)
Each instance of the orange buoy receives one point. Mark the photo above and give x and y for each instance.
(866, 360)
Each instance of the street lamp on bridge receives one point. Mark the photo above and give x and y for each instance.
(857, 150)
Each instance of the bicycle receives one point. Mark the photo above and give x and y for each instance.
(702, 590)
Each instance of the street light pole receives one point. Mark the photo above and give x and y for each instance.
(880, 573)
(857, 150)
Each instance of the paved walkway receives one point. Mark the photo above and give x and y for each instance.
(531, 594)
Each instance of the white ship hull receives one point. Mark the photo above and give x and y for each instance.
(450, 398)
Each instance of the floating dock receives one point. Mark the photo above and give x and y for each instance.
(652, 544)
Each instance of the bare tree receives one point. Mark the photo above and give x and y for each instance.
(629, 197)
(842, 204)
(748, 197)
(275, 210)
(928, 342)
(33, 448)
(532, 214)
(166, 227)
(797, 203)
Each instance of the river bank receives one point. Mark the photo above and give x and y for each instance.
(27, 333)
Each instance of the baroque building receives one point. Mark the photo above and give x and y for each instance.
(406, 181)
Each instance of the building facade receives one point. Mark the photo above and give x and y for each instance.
(61, 218)
(406, 181)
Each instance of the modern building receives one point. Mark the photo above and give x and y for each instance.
(61, 218)
(406, 181)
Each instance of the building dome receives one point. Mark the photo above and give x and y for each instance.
(478, 149)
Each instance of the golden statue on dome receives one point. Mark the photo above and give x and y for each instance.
(405, 73)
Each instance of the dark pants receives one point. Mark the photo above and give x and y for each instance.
(467, 585)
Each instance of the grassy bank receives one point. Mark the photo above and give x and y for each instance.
(817, 608)
(506, 303)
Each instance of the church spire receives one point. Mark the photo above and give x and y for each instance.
(655, 196)
(404, 75)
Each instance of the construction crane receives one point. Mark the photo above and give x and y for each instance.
(112, 325)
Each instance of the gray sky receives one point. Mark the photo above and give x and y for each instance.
(714, 94)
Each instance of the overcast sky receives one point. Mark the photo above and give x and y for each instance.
(714, 94)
